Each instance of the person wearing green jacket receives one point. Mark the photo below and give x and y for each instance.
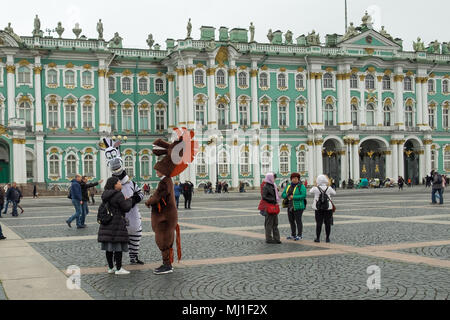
(295, 193)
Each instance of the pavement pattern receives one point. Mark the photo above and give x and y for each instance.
(225, 255)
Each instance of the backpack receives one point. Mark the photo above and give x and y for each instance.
(69, 195)
(439, 179)
(322, 203)
(104, 214)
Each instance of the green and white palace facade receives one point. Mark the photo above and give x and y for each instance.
(351, 106)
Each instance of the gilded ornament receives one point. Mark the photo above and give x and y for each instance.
(70, 65)
(101, 73)
(10, 69)
(23, 63)
(37, 70)
(127, 73)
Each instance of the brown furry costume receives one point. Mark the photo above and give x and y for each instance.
(164, 210)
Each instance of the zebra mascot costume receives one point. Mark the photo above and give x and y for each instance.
(130, 190)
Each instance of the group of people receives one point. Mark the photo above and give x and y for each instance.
(294, 200)
(186, 189)
(221, 187)
(12, 194)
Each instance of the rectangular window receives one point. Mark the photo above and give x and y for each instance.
(53, 116)
(160, 120)
(445, 118)
(127, 119)
(87, 117)
(87, 78)
(300, 117)
(112, 119)
(29, 169)
(70, 116)
(282, 116)
(264, 115)
(143, 120)
(243, 115)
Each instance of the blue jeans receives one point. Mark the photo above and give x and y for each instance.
(14, 212)
(433, 196)
(177, 199)
(84, 213)
(6, 207)
(78, 212)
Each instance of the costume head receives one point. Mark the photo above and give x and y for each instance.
(111, 147)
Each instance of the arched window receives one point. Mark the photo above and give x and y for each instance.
(301, 161)
(112, 84)
(432, 117)
(144, 124)
(431, 86)
(143, 85)
(354, 109)
(299, 81)
(71, 165)
(328, 81)
(223, 163)
(387, 116)
(445, 86)
(282, 116)
(445, 119)
(244, 162)
(281, 80)
(329, 115)
(70, 115)
(243, 114)
(221, 115)
(201, 163)
(301, 118)
(145, 166)
(266, 160)
(263, 80)
(354, 81)
(284, 162)
(159, 85)
(88, 164)
(88, 116)
(69, 78)
(126, 84)
(52, 77)
(370, 82)
(386, 83)
(264, 114)
(242, 78)
(409, 117)
(129, 166)
(220, 78)
(370, 115)
(434, 162)
(198, 78)
(407, 84)
(24, 75)
(160, 119)
(54, 165)
(25, 113)
(446, 160)
(200, 114)
(127, 119)
(86, 77)
(53, 121)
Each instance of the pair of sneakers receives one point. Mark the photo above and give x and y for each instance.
(295, 238)
(119, 272)
(163, 269)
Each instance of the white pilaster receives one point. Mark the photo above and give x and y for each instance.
(362, 114)
(427, 142)
(426, 125)
(340, 102)
(256, 161)
(401, 159)
(419, 101)
(389, 165)
(18, 150)
(379, 112)
(190, 99)
(171, 107)
(181, 98)
(40, 162)
(398, 84)
(232, 86)
(212, 114)
(395, 171)
(38, 93)
(11, 86)
(235, 162)
(312, 99)
(356, 168)
(311, 161)
(254, 83)
(103, 127)
(319, 103)
(347, 95)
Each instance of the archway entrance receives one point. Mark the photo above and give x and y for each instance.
(411, 161)
(4, 162)
(372, 160)
(332, 160)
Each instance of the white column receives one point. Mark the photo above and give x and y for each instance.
(181, 95)
(401, 159)
(212, 114)
(19, 156)
(419, 106)
(427, 143)
(362, 114)
(356, 168)
(38, 93)
(107, 112)
(395, 171)
(103, 127)
(40, 162)
(104, 170)
(190, 98)
(254, 83)
(232, 86)
(344, 166)
(422, 170)
(310, 154)
(256, 162)
(398, 83)
(319, 160)
(350, 163)
(11, 84)
(379, 113)
(347, 95)
(312, 99)
(389, 165)
(425, 104)
(235, 162)
(340, 94)
(171, 107)
(213, 164)
(319, 103)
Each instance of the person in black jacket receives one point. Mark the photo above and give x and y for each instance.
(85, 197)
(187, 189)
(270, 197)
(2, 199)
(114, 236)
(13, 195)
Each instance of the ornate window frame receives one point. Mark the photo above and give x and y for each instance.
(331, 101)
(333, 81)
(47, 69)
(269, 150)
(266, 101)
(70, 100)
(129, 153)
(145, 105)
(445, 107)
(448, 86)
(53, 99)
(27, 65)
(244, 100)
(145, 153)
(160, 105)
(410, 102)
(242, 150)
(303, 75)
(70, 67)
(196, 71)
(114, 90)
(26, 98)
(283, 102)
(143, 75)
(87, 70)
(285, 148)
(68, 152)
(433, 81)
(163, 79)
(225, 72)
(89, 151)
(286, 80)
(302, 149)
(302, 103)
(266, 73)
(247, 79)
(89, 101)
(127, 104)
(388, 103)
(54, 150)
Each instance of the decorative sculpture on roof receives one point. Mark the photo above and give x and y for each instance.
(313, 39)
(445, 48)
(270, 35)
(150, 41)
(189, 29)
(288, 37)
(351, 32)
(116, 42)
(367, 21)
(100, 29)
(419, 45)
(77, 30)
(252, 32)
(8, 28)
(435, 47)
(59, 29)
(37, 32)
(385, 33)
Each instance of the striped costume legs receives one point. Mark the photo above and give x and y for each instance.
(134, 240)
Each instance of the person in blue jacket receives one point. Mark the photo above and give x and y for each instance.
(77, 201)
(177, 189)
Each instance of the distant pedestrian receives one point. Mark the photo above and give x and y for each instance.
(188, 190)
(114, 235)
(225, 187)
(77, 201)
(295, 195)
(269, 208)
(177, 190)
(35, 194)
(13, 195)
(2, 199)
(8, 201)
(409, 182)
(85, 197)
(323, 206)
(437, 188)
(92, 193)
(401, 182)
(2, 237)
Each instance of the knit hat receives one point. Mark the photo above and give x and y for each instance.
(295, 175)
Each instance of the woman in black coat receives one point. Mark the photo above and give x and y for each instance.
(114, 236)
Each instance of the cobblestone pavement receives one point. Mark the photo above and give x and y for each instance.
(225, 255)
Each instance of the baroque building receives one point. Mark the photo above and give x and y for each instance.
(355, 106)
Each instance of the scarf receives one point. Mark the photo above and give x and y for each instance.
(271, 180)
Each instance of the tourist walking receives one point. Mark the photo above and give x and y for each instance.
(77, 201)
(437, 188)
(295, 195)
(225, 187)
(13, 195)
(8, 201)
(2, 237)
(269, 208)
(85, 197)
(188, 189)
(35, 194)
(113, 236)
(401, 182)
(92, 193)
(177, 190)
(323, 206)
(2, 199)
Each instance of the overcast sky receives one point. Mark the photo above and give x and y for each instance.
(135, 19)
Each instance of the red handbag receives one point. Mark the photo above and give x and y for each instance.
(273, 208)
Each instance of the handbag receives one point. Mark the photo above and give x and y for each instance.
(273, 208)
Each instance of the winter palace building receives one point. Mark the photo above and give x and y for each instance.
(351, 106)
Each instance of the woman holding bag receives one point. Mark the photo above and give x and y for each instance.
(270, 208)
